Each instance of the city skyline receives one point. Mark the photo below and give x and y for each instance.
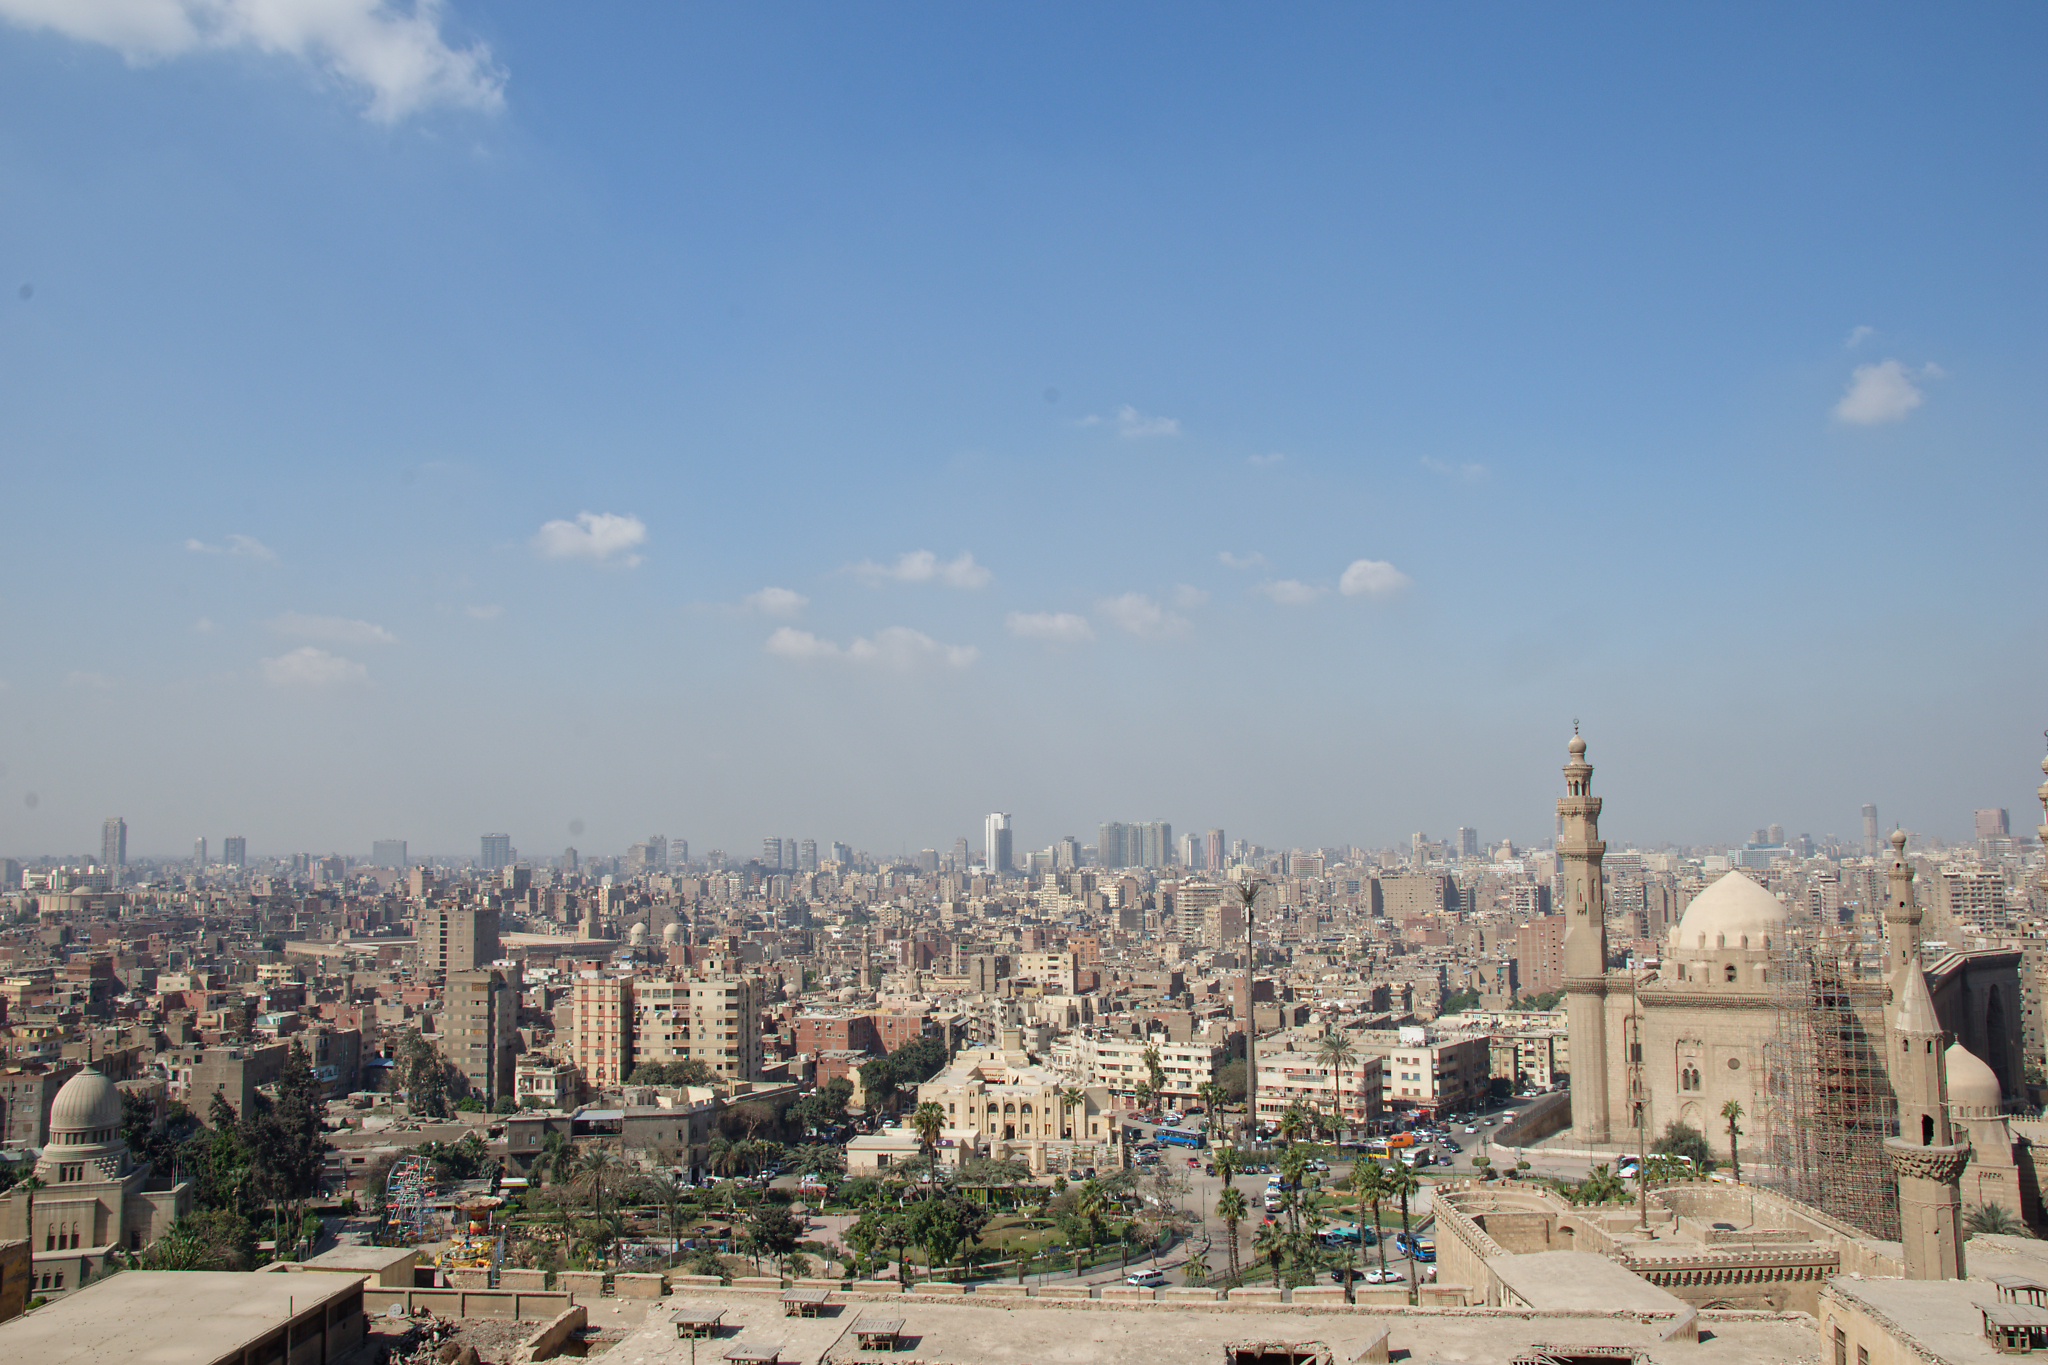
(603, 422)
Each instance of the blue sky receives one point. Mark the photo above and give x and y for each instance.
(1286, 422)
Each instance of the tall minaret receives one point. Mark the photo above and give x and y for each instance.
(1901, 918)
(1926, 1156)
(2043, 794)
(1579, 852)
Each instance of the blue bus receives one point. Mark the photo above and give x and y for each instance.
(1181, 1137)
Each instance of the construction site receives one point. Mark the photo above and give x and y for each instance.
(1830, 1105)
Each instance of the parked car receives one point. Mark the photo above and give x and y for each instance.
(1375, 1275)
(1145, 1279)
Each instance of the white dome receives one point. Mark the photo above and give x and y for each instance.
(672, 933)
(88, 1103)
(1732, 910)
(1972, 1084)
(638, 933)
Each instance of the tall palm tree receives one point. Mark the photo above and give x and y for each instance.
(1195, 1269)
(929, 1120)
(1227, 1164)
(1401, 1183)
(1293, 1122)
(1337, 1051)
(1732, 1111)
(1231, 1208)
(1369, 1184)
(1071, 1099)
(1154, 1072)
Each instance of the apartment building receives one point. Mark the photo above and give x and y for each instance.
(1290, 1078)
(480, 1029)
(1118, 1064)
(453, 937)
(1427, 1074)
(621, 1022)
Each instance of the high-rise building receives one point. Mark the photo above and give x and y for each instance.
(771, 853)
(570, 860)
(807, 856)
(389, 853)
(1870, 834)
(480, 1034)
(1215, 855)
(497, 852)
(995, 842)
(199, 851)
(114, 844)
(454, 937)
(1143, 845)
(1993, 824)
(234, 851)
(842, 854)
(960, 854)
(1468, 842)
(1191, 852)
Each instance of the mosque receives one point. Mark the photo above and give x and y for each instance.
(95, 1199)
(1680, 1039)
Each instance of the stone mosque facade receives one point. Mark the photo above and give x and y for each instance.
(1698, 1023)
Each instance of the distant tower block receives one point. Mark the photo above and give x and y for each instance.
(1870, 836)
(1579, 854)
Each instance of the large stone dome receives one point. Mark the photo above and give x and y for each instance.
(1734, 912)
(87, 1109)
(1972, 1084)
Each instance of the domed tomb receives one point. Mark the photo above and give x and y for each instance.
(1735, 912)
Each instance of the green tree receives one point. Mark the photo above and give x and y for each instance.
(1600, 1186)
(207, 1239)
(943, 1226)
(1369, 1185)
(1337, 1051)
(1993, 1219)
(1403, 1184)
(1732, 1111)
(1195, 1269)
(1294, 1121)
(930, 1121)
(1231, 1208)
(1073, 1100)
(1682, 1139)
(772, 1231)
(1227, 1164)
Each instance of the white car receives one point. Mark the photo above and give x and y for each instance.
(1145, 1279)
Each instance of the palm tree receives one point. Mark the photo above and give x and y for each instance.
(1154, 1072)
(1369, 1184)
(1732, 1111)
(1230, 1207)
(1072, 1098)
(721, 1157)
(1195, 1269)
(1601, 1185)
(1293, 1122)
(929, 1120)
(1401, 1183)
(1142, 1094)
(1993, 1219)
(1227, 1164)
(1337, 1051)
(670, 1192)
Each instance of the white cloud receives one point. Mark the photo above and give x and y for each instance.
(596, 536)
(1254, 560)
(897, 647)
(1291, 592)
(1140, 615)
(1884, 392)
(204, 626)
(1187, 597)
(776, 601)
(1134, 425)
(1372, 578)
(333, 629)
(1053, 627)
(922, 566)
(242, 547)
(1463, 473)
(391, 50)
(308, 666)
(1857, 336)
(1270, 457)
(484, 613)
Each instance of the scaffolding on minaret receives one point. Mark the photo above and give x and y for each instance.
(1828, 1096)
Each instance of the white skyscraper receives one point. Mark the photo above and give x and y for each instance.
(995, 841)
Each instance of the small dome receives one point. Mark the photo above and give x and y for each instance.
(1972, 1084)
(88, 1103)
(672, 934)
(1732, 910)
(637, 934)
(1577, 748)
